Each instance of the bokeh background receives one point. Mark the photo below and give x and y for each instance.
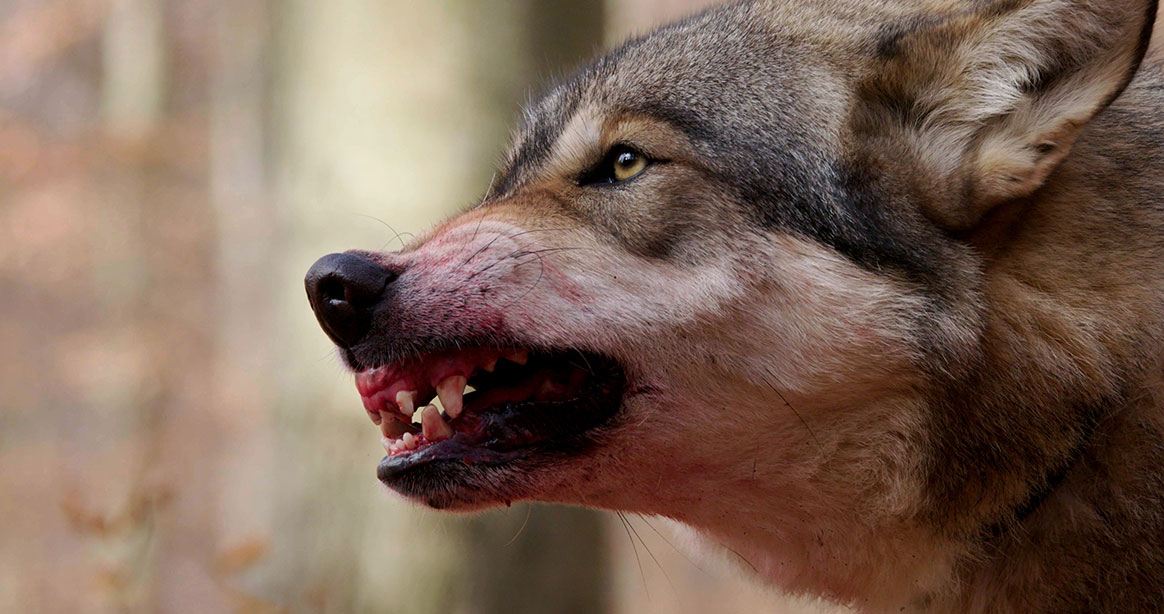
(176, 434)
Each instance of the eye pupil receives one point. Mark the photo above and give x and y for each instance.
(619, 164)
(627, 164)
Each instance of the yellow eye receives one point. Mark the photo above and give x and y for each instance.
(619, 164)
(627, 164)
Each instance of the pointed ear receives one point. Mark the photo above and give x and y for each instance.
(989, 100)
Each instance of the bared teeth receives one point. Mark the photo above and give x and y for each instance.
(406, 402)
(451, 392)
(414, 387)
(435, 427)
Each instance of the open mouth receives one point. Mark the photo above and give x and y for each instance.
(486, 405)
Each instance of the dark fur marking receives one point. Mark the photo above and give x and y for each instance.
(1053, 479)
(887, 43)
(682, 119)
(1141, 50)
(843, 210)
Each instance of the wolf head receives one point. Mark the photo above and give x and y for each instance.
(773, 272)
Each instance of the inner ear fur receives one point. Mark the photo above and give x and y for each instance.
(983, 103)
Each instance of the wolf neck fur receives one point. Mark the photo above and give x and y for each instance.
(1062, 333)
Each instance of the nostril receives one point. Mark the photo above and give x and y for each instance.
(344, 290)
(332, 289)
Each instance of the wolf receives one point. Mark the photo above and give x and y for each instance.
(867, 293)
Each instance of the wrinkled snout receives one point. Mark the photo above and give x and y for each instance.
(344, 291)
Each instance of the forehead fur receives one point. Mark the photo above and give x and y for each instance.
(782, 61)
(728, 66)
(762, 90)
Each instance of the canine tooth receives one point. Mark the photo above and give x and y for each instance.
(387, 443)
(490, 366)
(409, 441)
(435, 427)
(453, 413)
(520, 357)
(405, 400)
(451, 392)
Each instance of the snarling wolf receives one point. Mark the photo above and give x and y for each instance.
(868, 292)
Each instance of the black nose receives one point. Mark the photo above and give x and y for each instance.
(343, 290)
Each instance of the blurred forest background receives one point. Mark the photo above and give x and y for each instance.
(176, 434)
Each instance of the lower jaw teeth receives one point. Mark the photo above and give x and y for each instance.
(394, 446)
(400, 436)
(434, 426)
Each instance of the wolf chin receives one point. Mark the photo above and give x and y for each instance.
(866, 294)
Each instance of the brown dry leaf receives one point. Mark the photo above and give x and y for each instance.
(240, 556)
(248, 604)
(111, 580)
(82, 520)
